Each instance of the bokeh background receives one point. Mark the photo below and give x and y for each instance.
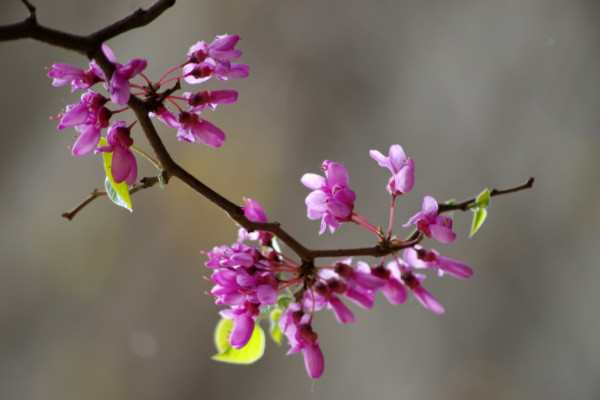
(481, 93)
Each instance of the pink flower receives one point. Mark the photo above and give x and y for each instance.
(244, 319)
(254, 212)
(402, 169)
(207, 60)
(296, 326)
(88, 117)
(413, 282)
(419, 257)
(200, 100)
(432, 225)
(79, 79)
(123, 167)
(331, 198)
(193, 128)
(119, 83)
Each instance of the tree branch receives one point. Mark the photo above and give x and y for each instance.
(144, 183)
(464, 206)
(91, 46)
(30, 28)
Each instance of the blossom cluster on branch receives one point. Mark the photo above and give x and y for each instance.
(252, 277)
(259, 281)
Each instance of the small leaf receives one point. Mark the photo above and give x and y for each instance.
(283, 301)
(275, 331)
(250, 353)
(117, 192)
(483, 199)
(479, 216)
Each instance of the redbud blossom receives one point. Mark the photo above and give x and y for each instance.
(123, 167)
(88, 117)
(119, 83)
(79, 79)
(296, 326)
(419, 257)
(402, 169)
(432, 225)
(331, 198)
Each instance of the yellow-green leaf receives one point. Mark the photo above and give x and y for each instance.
(248, 354)
(479, 216)
(118, 193)
(275, 331)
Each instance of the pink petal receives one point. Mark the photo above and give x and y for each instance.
(442, 234)
(243, 326)
(314, 360)
(428, 301)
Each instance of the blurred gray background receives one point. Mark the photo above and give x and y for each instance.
(480, 93)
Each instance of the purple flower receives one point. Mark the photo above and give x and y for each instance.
(244, 319)
(244, 281)
(88, 117)
(432, 225)
(79, 79)
(413, 282)
(361, 283)
(296, 326)
(200, 100)
(198, 73)
(207, 60)
(123, 167)
(393, 290)
(419, 257)
(331, 198)
(402, 169)
(119, 83)
(193, 128)
(325, 295)
(221, 49)
(254, 212)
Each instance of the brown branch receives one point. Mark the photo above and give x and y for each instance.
(91, 46)
(464, 206)
(29, 28)
(143, 184)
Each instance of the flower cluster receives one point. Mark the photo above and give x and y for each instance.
(254, 280)
(91, 115)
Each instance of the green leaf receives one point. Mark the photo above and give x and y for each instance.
(117, 192)
(250, 353)
(479, 216)
(275, 331)
(482, 201)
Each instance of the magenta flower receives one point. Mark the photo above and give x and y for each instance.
(254, 212)
(244, 281)
(331, 198)
(200, 100)
(221, 49)
(78, 78)
(432, 225)
(402, 169)
(296, 326)
(119, 83)
(361, 283)
(207, 60)
(419, 257)
(198, 73)
(123, 167)
(413, 282)
(193, 128)
(88, 117)
(244, 319)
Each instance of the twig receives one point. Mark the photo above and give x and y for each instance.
(91, 46)
(143, 184)
(464, 206)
